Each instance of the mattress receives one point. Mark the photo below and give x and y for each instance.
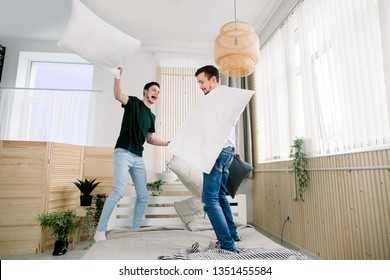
(153, 243)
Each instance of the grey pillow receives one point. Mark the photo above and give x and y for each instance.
(191, 213)
(238, 170)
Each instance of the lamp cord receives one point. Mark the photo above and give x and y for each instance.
(235, 11)
(235, 22)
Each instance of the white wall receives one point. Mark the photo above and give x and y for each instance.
(140, 70)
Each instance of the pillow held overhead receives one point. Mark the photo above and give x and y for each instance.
(97, 41)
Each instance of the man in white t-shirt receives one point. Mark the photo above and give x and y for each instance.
(215, 202)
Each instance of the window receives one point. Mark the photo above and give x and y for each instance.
(53, 71)
(321, 78)
(52, 101)
(61, 75)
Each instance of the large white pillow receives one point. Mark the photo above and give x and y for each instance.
(192, 178)
(97, 41)
(203, 134)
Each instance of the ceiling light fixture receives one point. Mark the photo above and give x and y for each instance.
(236, 48)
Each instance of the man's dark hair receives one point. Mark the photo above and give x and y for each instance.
(209, 71)
(148, 85)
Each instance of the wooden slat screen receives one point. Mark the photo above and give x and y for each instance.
(98, 163)
(23, 179)
(65, 167)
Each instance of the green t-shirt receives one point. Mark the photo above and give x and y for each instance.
(137, 121)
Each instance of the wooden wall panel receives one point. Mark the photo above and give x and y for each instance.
(23, 179)
(346, 212)
(64, 169)
(98, 163)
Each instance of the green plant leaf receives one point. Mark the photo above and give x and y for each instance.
(155, 187)
(86, 186)
(297, 153)
(62, 223)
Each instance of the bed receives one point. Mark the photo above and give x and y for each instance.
(175, 227)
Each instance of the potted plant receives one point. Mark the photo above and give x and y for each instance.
(299, 163)
(155, 187)
(88, 223)
(100, 199)
(63, 224)
(86, 187)
(92, 215)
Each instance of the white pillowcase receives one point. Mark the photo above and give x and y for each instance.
(96, 41)
(205, 131)
(192, 178)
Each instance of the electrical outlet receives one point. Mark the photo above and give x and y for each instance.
(288, 218)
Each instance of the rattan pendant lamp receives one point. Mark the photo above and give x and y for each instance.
(236, 48)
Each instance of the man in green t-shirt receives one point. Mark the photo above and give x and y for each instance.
(136, 128)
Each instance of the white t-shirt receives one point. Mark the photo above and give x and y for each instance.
(231, 140)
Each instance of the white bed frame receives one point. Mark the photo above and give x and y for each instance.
(160, 211)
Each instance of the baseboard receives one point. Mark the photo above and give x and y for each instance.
(285, 243)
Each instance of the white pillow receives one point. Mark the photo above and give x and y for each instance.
(203, 134)
(191, 177)
(96, 41)
(192, 214)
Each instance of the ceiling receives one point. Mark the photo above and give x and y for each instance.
(153, 22)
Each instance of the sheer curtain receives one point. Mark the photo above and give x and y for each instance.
(321, 77)
(46, 115)
(278, 110)
(244, 125)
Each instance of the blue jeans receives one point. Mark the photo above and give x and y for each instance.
(215, 202)
(124, 163)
